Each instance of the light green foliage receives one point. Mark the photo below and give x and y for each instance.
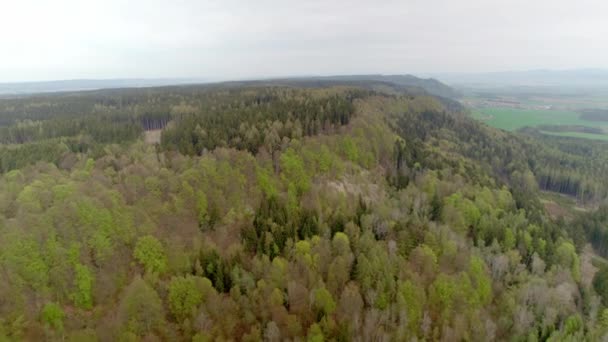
(324, 301)
(105, 227)
(315, 334)
(153, 186)
(303, 247)
(412, 298)
(151, 254)
(53, 315)
(442, 295)
(526, 237)
(276, 297)
(62, 191)
(90, 164)
(303, 252)
(12, 328)
(14, 176)
(292, 199)
(604, 318)
(184, 296)
(573, 324)
(293, 171)
(201, 207)
(509, 240)
(278, 270)
(83, 282)
(341, 243)
(140, 310)
(480, 280)
(60, 265)
(29, 197)
(567, 257)
(461, 212)
(73, 253)
(222, 179)
(324, 159)
(266, 183)
(350, 150)
(23, 255)
(504, 199)
(102, 246)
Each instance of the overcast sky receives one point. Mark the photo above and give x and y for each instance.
(232, 39)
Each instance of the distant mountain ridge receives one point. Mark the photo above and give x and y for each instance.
(24, 88)
(430, 85)
(413, 83)
(573, 78)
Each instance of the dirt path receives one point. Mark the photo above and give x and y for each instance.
(587, 268)
(152, 137)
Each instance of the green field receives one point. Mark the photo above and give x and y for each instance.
(512, 119)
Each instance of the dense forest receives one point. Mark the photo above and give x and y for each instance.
(306, 210)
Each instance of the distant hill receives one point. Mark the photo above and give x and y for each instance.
(403, 82)
(430, 85)
(23, 88)
(568, 79)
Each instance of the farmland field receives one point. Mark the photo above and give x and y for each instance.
(569, 115)
(512, 119)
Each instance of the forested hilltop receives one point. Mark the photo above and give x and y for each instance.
(301, 210)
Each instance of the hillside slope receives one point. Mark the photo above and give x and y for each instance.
(430, 85)
(274, 212)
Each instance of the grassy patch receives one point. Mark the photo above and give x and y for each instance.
(561, 205)
(512, 119)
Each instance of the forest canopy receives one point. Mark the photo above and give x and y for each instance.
(291, 212)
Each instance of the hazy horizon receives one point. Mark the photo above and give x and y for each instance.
(429, 74)
(236, 39)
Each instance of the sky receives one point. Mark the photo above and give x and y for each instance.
(244, 39)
